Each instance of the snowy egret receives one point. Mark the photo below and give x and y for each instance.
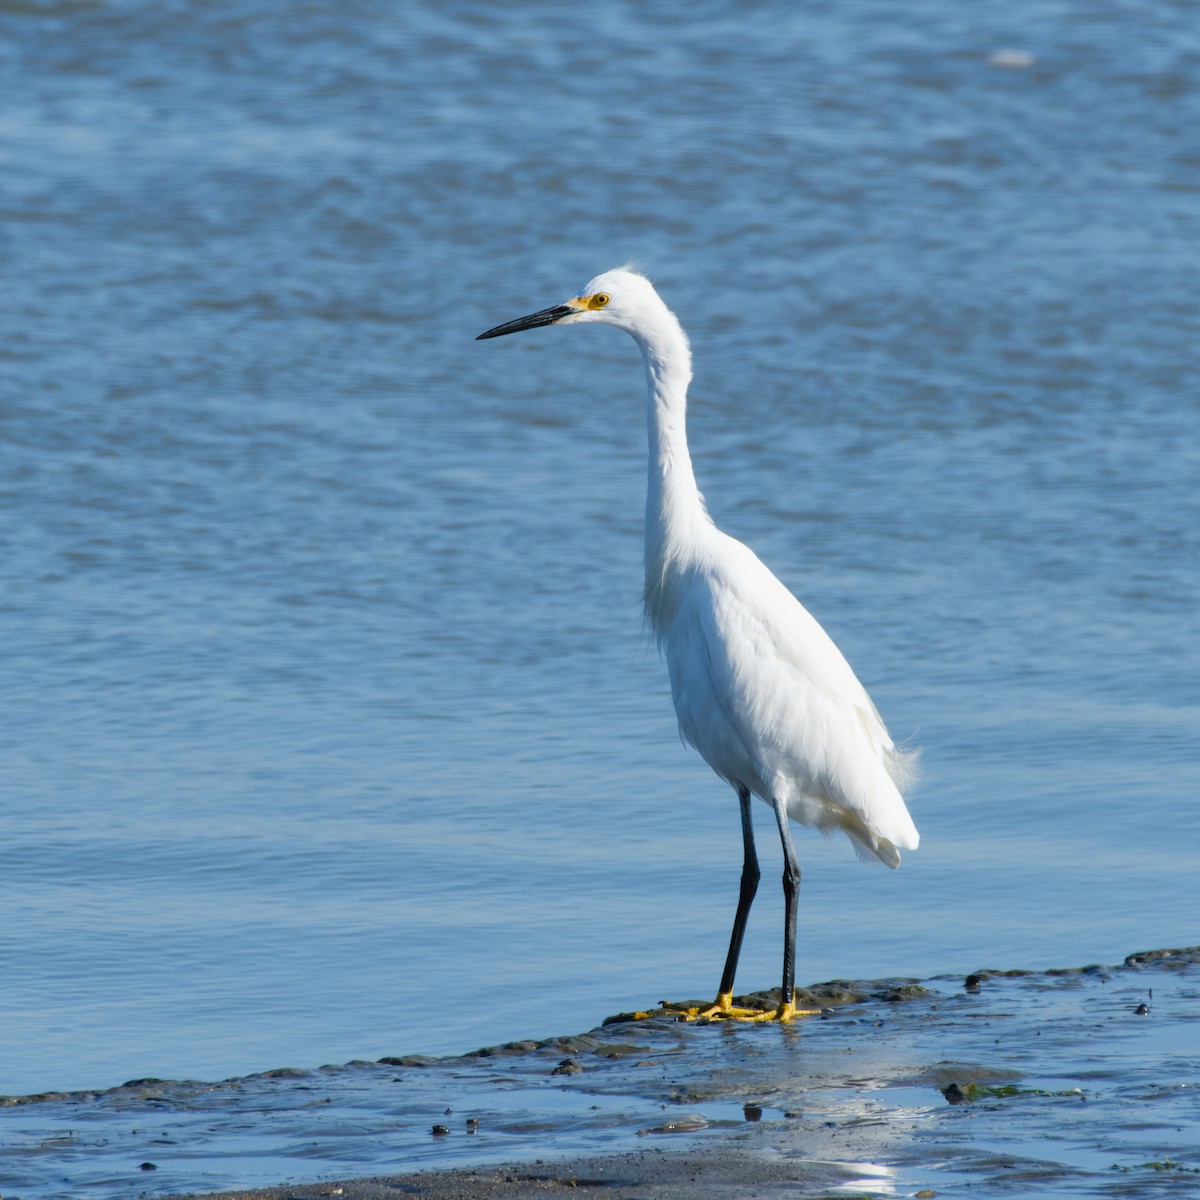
(760, 689)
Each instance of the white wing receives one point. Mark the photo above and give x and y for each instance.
(769, 701)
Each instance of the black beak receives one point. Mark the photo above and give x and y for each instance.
(546, 317)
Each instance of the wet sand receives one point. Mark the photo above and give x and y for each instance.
(1082, 1081)
(728, 1173)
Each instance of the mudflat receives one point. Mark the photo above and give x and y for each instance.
(1077, 1081)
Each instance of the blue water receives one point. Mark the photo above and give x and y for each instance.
(330, 726)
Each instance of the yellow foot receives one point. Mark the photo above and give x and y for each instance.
(724, 1009)
(785, 1012)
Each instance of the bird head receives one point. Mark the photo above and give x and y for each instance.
(619, 297)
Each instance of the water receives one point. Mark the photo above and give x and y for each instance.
(331, 729)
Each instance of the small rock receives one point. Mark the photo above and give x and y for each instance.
(440, 1131)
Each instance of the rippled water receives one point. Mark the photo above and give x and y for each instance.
(331, 729)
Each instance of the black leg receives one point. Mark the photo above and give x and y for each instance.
(749, 885)
(791, 893)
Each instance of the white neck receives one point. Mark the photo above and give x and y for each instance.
(675, 512)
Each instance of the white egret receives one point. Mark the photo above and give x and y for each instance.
(760, 689)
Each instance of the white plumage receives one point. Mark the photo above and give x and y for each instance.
(760, 689)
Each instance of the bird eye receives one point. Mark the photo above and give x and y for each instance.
(599, 300)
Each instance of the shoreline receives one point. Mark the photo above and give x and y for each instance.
(897, 1086)
(712, 1173)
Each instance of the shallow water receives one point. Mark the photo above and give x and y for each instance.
(331, 729)
(1074, 1082)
